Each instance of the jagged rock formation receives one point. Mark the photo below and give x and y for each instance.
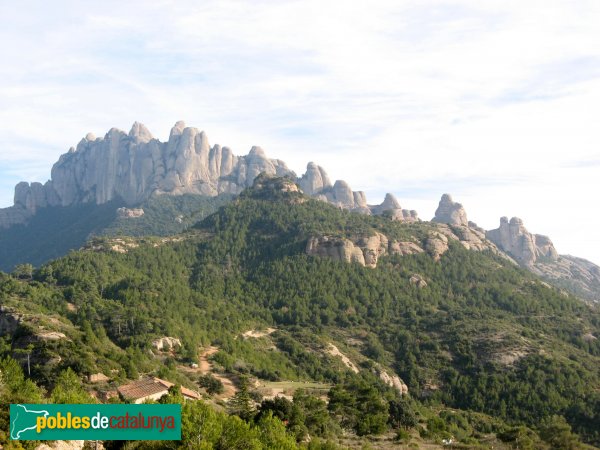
(391, 207)
(450, 212)
(526, 248)
(315, 180)
(452, 223)
(471, 237)
(365, 250)
(316, 183)
(537, 253)
(134, 166)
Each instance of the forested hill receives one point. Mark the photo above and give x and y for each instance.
(491, 355)
(55, 230)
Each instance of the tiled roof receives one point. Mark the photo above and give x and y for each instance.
(151, 386)
(141, 389)
(184, 391)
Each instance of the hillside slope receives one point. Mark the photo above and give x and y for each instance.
(55, 230)
(461, 328)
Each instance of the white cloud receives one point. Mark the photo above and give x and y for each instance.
(494, 101)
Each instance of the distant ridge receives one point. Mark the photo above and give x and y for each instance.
(129, 170)
(131, 167)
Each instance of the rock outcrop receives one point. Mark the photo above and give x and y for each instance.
(393, 381)
(537, 253)
(9, 321)
(471, 237)
(315, 180)
(578, 275)
(364, 250)
(436, 244)
(526, 248)
(166, 343)
(418, 281)
(134, 166)
(129, 213)
(450, 212)
(391, 208)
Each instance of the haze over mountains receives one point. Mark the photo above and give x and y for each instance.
(128, 169)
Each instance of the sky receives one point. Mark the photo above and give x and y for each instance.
(496, 102)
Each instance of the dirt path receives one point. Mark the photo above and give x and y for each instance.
(205, 367)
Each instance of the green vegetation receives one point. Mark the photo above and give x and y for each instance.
(485, 348)
(52, 232)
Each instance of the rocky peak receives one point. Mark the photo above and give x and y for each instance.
(342, 194)
(450, 212)
(390, 202)
(134, 166)
(138, 133)
(391, 208)
(525, 247)
(177, 129)
(257, 152)
(315, 180)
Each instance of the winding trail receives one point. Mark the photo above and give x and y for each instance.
(206, 367)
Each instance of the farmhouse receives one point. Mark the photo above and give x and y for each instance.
(151, 389)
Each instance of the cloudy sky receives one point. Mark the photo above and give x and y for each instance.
(495, 102)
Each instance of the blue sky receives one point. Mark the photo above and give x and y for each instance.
(496, 102)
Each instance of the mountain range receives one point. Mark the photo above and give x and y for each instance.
(134, 184)
(348, 330)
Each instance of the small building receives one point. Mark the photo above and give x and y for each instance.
(151, 389)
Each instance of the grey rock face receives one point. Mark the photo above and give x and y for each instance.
(341, 195)
(450, 212)
(526, 248)
(537, 253)
(134, 166)
(316, 183)
(314, 180)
